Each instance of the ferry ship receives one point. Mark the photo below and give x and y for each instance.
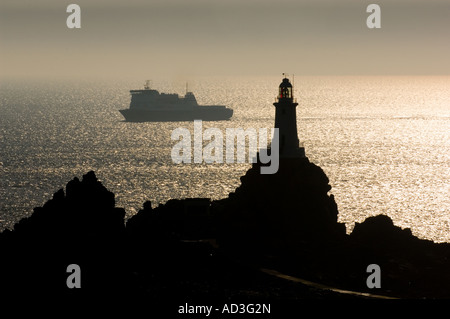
(149, 105)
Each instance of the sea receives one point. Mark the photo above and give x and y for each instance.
(383, 142)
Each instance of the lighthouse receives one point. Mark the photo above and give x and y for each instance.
(286, 122)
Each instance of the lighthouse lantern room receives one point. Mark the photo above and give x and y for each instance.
(285, 89)
(286, 122)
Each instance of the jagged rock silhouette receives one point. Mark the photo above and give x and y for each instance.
(81, 226)
(284, 208)
(169, 252)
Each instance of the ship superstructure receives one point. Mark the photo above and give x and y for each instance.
(150, 105)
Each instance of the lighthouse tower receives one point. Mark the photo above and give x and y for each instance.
(286, 122)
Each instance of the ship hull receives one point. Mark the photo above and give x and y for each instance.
(204, 113)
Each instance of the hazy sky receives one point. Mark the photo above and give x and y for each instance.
(138, 39)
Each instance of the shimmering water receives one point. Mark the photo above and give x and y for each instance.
(383, 142)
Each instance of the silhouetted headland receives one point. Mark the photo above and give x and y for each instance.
(218, 250)
(164, 253)
(198, 248)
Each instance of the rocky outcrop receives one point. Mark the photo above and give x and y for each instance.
(285, 208)
(289, 221)
(411, 267)
(79, 226)
(286, 221)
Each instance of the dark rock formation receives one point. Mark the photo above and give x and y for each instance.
(81, 227)
(282, 209)
(189, 218)
(165, 241)
(288, 221)
(285, 221)
(411, 267)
